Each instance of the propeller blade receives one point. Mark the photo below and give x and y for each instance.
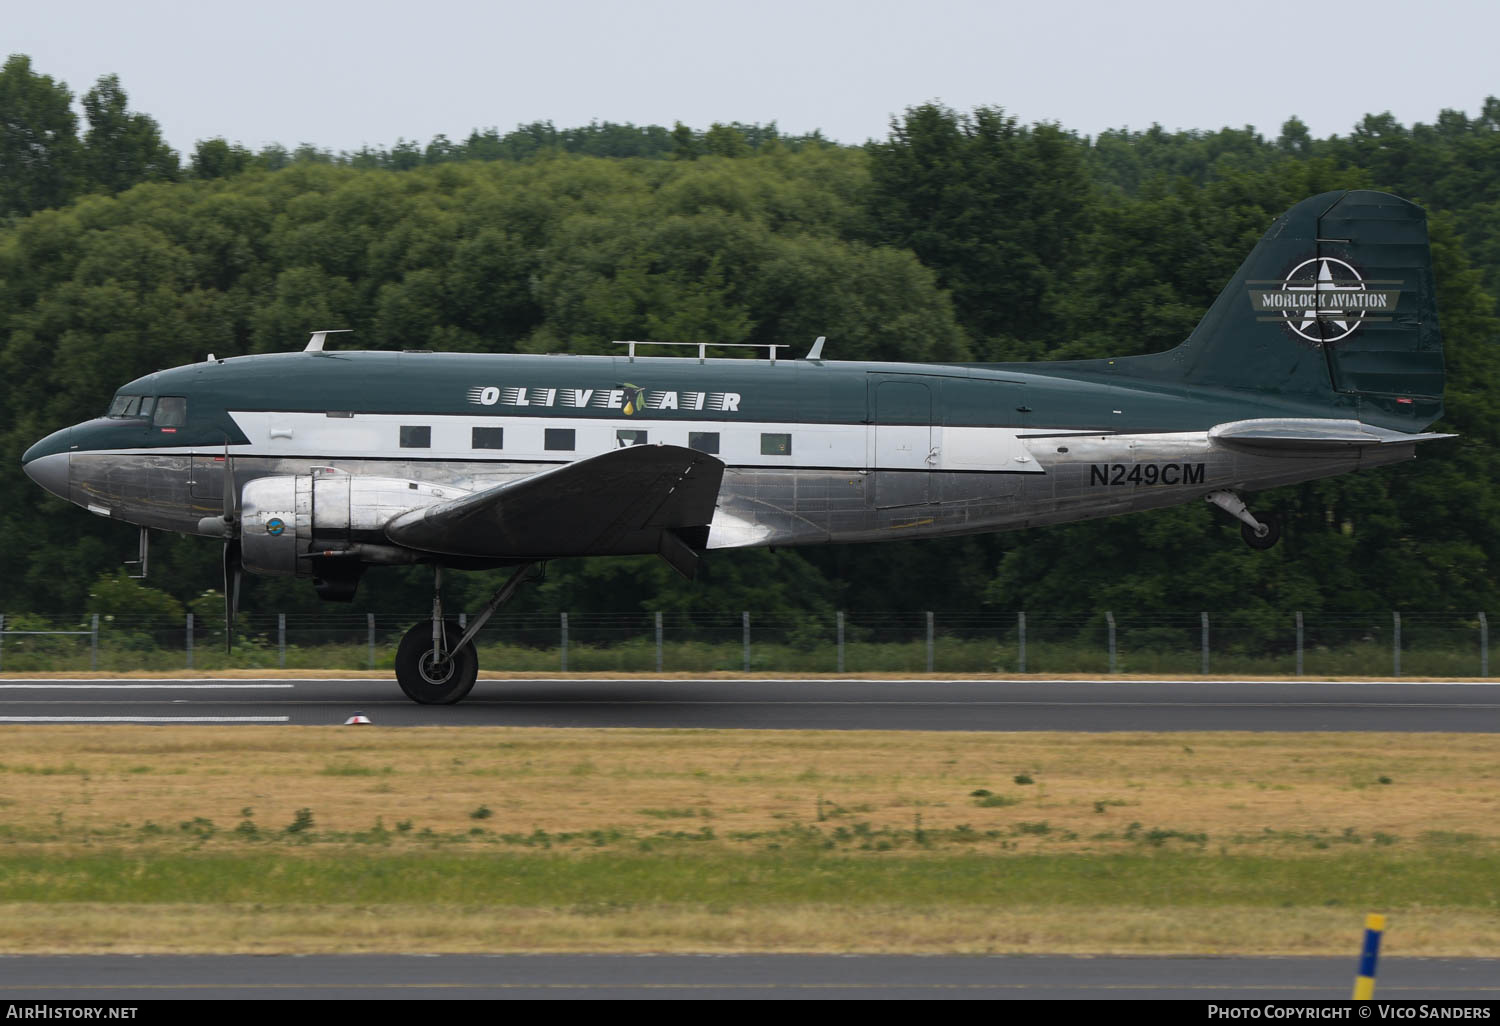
(231, 496)
(232, 572)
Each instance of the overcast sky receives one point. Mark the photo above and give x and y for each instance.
(342, 74)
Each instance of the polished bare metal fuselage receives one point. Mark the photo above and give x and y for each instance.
(1078, 476)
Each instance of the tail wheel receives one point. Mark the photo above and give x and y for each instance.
(426, 680)
(1271, 522)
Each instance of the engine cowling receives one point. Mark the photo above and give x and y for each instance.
(287, 523)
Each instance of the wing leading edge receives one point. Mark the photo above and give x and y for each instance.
(637, 500)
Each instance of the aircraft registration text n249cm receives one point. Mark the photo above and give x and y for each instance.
(1322, 356)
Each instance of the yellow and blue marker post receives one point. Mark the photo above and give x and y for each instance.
(1364, 983)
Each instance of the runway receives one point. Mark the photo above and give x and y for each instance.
(150, 978)
(1003, 705)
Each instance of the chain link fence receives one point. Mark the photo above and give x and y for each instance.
(1314, 644)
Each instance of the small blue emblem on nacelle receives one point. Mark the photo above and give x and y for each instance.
(275, 526)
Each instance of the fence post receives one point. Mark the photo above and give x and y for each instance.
(2, 634)
(658, 642)
(1396, 644)
(564, 642)
(1299, 643)
(94, 642)
(929, 641)
(463, 621)
(190, 641)
(840, 615)
(745, 619)
(1110, 619)
(1021, 639)
(370, 636)
(281, 640)
(1484, 644)
(1205, 643)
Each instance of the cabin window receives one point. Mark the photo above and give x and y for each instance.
(560, 439)
(415, 437)
(171, 411)
(772, 444)
(488, 438)
(704, 441)
(625, 439)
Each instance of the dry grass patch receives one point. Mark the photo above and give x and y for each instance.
(296, 839)
(249, 929)
(65, 787)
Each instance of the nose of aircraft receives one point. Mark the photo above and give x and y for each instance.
(46, 462)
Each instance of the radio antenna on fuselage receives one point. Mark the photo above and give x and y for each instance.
(315, 344)
(702, 347)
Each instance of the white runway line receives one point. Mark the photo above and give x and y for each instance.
(115, 686)
(144, 719)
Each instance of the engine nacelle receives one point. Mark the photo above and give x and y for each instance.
(287, 523)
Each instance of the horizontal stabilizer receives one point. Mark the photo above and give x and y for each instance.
(1291, 435)
(623, 502)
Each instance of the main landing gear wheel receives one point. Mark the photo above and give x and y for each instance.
(1271, 535)
(433, 679)
(427, 680)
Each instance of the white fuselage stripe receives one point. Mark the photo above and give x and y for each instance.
(747, 443)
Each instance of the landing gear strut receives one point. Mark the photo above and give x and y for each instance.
(436, 663)
(1259, 532)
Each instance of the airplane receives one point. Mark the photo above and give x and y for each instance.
(1321, 356)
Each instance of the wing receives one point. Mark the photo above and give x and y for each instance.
(636, 500)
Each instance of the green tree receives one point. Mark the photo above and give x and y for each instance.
(118, 594)
(121, 148)
(725, 141)
(684, 142)
(994, 208)
(215, 158)
(40, 157)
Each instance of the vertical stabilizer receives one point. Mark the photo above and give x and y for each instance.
(1334, 307)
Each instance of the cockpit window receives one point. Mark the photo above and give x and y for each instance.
(131, 406)
(171, 411)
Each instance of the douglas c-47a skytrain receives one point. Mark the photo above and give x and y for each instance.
(1322, 356)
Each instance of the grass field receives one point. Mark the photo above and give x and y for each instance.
(368, 839)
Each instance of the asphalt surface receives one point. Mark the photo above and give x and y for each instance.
(156, 977)
(788, 704)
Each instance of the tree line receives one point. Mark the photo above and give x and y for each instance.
(44, 162)
(959, 236)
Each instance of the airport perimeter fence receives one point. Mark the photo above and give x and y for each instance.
(1320, 644)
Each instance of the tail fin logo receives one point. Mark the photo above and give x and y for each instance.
(1324, 300)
